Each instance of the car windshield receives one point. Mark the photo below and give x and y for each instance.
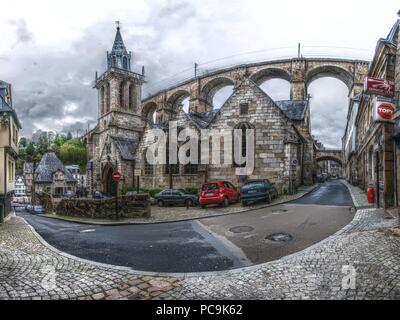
(258, 184)
(210, 186)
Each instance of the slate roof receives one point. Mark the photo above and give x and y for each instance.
(4, 107)
(28, 167)
(202, 119)
(118, 46)
(126, 147)
(293, 109)
(48, 166)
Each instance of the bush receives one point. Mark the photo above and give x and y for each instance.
(151, 192)
(194, 191)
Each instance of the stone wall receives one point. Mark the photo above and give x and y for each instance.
(135, 206)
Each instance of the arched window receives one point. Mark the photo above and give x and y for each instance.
(114, 61)
(102, 104)
(125, 63)
(148, 168)
(122, 95)
(131, 97)
(192, 168)
(243, 127)
(108, 95)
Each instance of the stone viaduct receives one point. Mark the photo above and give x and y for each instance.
(300, 72)
(335, 155)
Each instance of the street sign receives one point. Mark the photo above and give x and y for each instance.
(384, 110)
(379, 86)
(295, 162)
(116, 176)
(137, 172)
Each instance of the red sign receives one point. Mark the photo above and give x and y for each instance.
(116, 176)
(379, 86)
(384, 110)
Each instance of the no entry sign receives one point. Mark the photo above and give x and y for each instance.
(116, 176)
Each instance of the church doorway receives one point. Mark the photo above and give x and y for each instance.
(110, 186)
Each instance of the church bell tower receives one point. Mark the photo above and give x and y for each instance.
(119, 88)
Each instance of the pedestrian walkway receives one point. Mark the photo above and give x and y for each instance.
(361, 261)
(359, 196)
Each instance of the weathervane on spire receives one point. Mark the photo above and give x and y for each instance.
(398, 13)
(117, 23)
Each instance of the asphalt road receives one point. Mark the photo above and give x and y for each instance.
(205, 244)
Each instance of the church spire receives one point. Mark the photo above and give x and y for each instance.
(119, 56)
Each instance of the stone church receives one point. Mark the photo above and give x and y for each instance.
(283, 143)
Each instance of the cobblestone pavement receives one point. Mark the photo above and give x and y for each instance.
(170, 214)
(322, 271)
(31, 270)
(361, 261)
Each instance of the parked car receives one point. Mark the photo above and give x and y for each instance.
(35, 209)
(219, 192)
(70, 194)
(175, 197)
(258, 190)
(100, 195)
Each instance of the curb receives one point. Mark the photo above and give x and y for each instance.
(183, 276)
(111, 224)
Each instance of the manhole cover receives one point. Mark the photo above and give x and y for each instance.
(280, 237)
(241, 229)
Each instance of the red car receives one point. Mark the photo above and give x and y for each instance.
(218, 192)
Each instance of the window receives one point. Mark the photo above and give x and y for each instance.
(244, 108)
(11, 172)
(125, 63)
(190, 168)
(131, 93)
(121, 95)
(174, 167)
(244, 127)
(148, 168)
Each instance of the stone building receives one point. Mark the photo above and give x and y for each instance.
(372, 153)
(27, 172)
(9, 129)
(112, 144)
(283, 143)
(52, 177)
(20, 188)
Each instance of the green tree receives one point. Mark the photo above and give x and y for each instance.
(23, 142)
(69, 136)
(73, 152)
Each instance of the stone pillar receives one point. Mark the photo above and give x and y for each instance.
(298, 90)
(388, 166)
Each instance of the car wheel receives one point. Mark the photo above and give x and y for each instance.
(226, 202)
(189, 203)
(160, 203)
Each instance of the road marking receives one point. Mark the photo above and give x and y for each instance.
(87, 230)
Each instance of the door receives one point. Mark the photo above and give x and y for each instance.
(110, 184)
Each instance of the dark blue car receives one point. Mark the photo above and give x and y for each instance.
(260, 190)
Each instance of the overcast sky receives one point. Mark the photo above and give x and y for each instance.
(50, 50)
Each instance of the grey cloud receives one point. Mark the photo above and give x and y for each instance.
(22, 32)
(171, 38)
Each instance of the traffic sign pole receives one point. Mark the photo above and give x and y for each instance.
(116, 176)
